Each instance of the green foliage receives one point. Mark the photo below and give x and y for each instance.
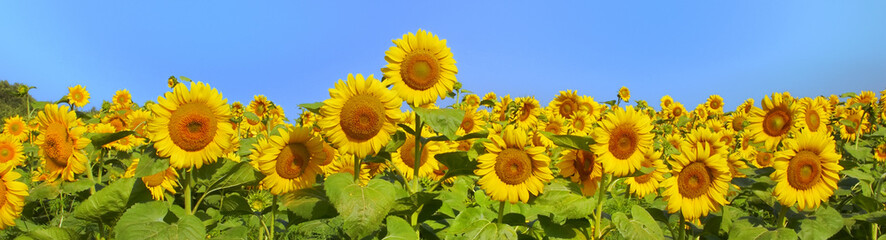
(362, 207)
(11, 102)
(157, 220)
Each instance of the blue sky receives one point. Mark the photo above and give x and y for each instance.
(293, 52)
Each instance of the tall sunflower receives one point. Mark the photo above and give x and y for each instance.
(159, 183)
(583, 168)
(289, 161)
(12, 197)
(420, 67)
(11, 152)
(813, 114)
(622, 139)
(191, 126)
(16, 127)
(78, 96)
(648, 183)
(666, 102)
(772, 123)
(699, 182)
(510, 171)
(61, 142)
(806, 170)
(360, 116)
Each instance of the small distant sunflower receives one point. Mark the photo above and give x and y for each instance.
(624, 94)
(102, 128)
(138, 122)
(866, 97)
(677, 110)
(735, 164)
(813, 114)
(171, 82)
(289, 161)
(581, 124)
(191, 126)
(404, 158)
(12, 197)
(622, 139)
(648, 183)
(880, 152)
(714, 104)
(61, 142)
(501, 108)
(122, 99)
(11, 152)
(331, 154)
(78, 96)
(666, 102)
(854, 115)
(699, 182)
(594, 109)
(566, 103)
(259, 105)
(745, 148)
(762, 160)
(166, 180)
(420, 67)
(806, 170)
(118, 121)
(675, 140)
(237, 109)
(510, 171)
(772, 123)
(736, 121)
(360, 116)
(583, 168)
(528, 110)
(14, 126)
(471, 100)
(471, 122)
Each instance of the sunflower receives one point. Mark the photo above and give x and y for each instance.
(345, 164)
(78, 96)
(420, 67)
(666, 102)
(528, 110)
(290, 160)
(259, 106)
(745, 149)
(813, 114)
(166, 180)
(191, 126)
(511, 171)
(880, 152)
(471, 100)
(714, 104)
(122, 99)
(11, 152)
(501, 108)
(711, 139)
(404, 158)
(675, 140)
(61, 142)
(854, 115)
(772, 123)
(736, 121)
(138, 122)
(735, 164)
(699, 182)
(171, 82)
(118, 121)
(471, 122)
(648, 183)
(624, 94)
(806, 170)
(102, 128)
(12, 197)
(593, 108)
(581, 124)
(622, 139)
(360, 116)
(583, 168)
(15, 127)
(762, 160)
(326, 167)
(865, 97)
(565, 103)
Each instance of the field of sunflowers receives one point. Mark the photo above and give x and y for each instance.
(359, 165)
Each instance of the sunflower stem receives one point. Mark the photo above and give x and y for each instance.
(501, 212)
(417, 147)
(357, 163)
(781, 216)
(681, 227)
(187, 193)
(598, 215)
(874, 228)
(273, 218)
(89, 174)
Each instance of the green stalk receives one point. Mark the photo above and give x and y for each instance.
(357, 163)
(273, 217)
(89, 174)
(598, 215)
(417, 147)
(781, 216)
(501, 212)
(187, 193)
(682, 227)
(874, 228)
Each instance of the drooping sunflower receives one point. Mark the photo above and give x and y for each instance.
(500, 109)
(772, 123)
(14, 126)
(159, 183)
(714, 104)
(12, 197)
(880, 152)
(420, 67)
(622, 139)
(510, 171)
(624, 94)
(290, 160)
(806, 170)
(360, 116)
(566, 103)
(854, 115)
(191, 126)
(78, 96)
(813, 114)
(699, 182)
(583, 168)
(404, 158)
(648, 183)
(11, 152)
(61, 142)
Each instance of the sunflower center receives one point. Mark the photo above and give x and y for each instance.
(764, 159)
(694, 180)
(292, 160)
(553, 127)
(777, 121)
(584, 164)
(715, 104)
(408, 154)
(362, 117)
(467, 123)
(513, 166)
(15, 128)
(804, 170)
(3, 193)
(57, 147)
(623, 142)
(645, 177)
(6, 153)
(579, 124)
(77, 96)
(155, 179)
(330, 154)
(738, 123)
(812, 119)
(566, 108)
(420, 71)
(192, 127)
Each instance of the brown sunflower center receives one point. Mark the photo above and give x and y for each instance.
(812, 119)
(139, 126)
(3, 193)
(623, 141)
(694, 180)
(192, 126)
(420, 71)
(15, 128)
(57, 147)
(777, 121)
(527, 111)
(579, 124)
(77, 96)
(584, 164)
(292, 160)
(567, 108)
(677, 112)
(407, 153)
(6, 153)
(362, 117)
(804, 170)
(467, 123)
(716, 104)
(553, 127)
(738, 123)
(764, 159)
(155, 179)
(645, 177)
(513, 166)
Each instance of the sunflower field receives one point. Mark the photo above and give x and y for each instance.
(364, 165)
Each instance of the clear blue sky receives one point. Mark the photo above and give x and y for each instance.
(293, 52)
